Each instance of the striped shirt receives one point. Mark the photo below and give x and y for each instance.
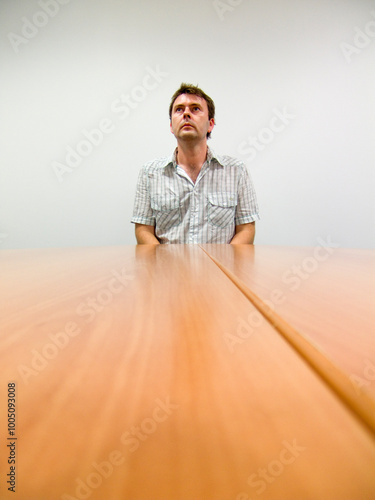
(206, 211)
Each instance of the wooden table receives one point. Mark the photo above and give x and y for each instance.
(322, 298)
(150, 373)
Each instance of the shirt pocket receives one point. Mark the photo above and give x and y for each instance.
(167, 211)
(221, 209)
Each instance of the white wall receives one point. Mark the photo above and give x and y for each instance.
(314, 178)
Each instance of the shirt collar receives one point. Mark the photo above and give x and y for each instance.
(211, 155)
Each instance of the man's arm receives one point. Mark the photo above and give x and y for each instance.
(146, 235)
(244, 234)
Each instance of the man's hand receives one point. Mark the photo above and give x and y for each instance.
(244, 234)
(146, 235)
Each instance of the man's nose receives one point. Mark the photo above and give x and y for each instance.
(186, 112)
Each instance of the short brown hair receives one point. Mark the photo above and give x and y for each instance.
(188, 88)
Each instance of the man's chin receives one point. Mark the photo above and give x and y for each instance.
(187, 134)
(188, 138)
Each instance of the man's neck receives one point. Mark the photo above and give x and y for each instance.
(191, 158)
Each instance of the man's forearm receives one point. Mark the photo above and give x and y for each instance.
(147, 239)
(145, 235)
(245, 234)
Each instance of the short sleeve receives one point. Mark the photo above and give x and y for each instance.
(142, 212)
(247, 206)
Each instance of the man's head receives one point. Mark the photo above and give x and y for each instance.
(191, 91)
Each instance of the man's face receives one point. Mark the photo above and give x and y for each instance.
(189, 119)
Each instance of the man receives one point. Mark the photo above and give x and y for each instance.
(195, 195)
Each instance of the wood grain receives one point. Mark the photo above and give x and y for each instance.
(356, 399)
(326, 295)
(172, 386)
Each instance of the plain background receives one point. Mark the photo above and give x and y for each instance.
(314, 177)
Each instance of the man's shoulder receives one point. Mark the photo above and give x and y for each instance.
(157, 163)
(229, 161)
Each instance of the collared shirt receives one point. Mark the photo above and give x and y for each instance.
(206, 211)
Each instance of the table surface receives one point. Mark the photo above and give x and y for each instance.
(146, 373)
(328, 295)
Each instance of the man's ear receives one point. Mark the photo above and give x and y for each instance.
(212, 124)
